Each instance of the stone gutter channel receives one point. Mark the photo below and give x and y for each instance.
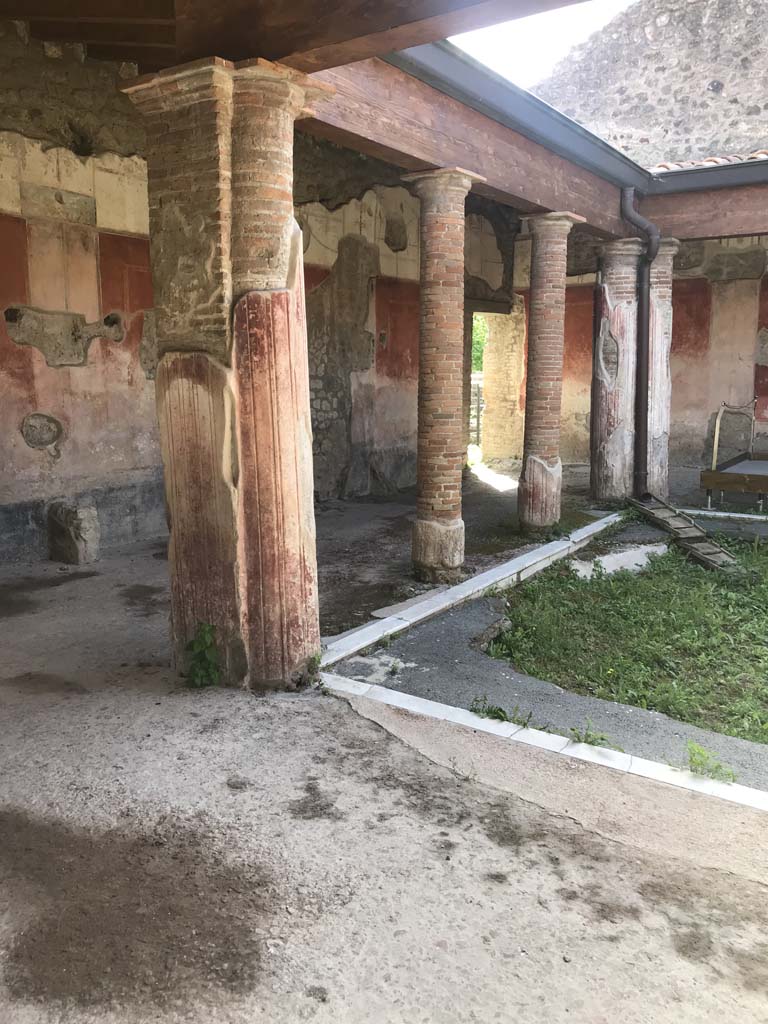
(506, 575)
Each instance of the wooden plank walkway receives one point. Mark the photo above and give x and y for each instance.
(695, 541)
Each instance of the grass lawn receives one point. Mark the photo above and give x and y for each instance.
(676, 638)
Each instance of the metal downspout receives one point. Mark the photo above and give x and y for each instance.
(653, 237)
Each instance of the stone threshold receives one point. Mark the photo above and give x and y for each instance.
(655, 771)
(507, 574)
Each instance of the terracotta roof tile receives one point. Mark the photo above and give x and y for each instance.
(709, 161)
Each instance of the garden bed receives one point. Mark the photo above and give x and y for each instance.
(674, 638)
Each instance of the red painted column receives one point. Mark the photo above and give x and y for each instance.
(660, 374)
(542, 473)
(438, 533)
(232, 380)
(612, 439)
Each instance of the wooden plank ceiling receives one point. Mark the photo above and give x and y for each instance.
(308, 34)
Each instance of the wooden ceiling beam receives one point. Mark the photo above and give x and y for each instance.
(306, 34)
(383, 112)
(91, 10)
(316, 34)
(417, 32)
(112, 33)
(710, 213)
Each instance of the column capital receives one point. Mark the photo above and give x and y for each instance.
(174, 85)
(553, 223)
(668, 247)
(442, 179)
(301, 90)
(629, 249)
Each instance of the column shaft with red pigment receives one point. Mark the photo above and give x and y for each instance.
(232, 379)
(660, 374)
(438, 533)
(542, 473)
(614, 363)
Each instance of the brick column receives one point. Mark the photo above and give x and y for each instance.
(467, 381)
(542, 473)
(232, 380)
(438, 534)
(612, 436)
(660, 375)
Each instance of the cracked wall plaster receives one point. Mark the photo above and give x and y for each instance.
(63, 338)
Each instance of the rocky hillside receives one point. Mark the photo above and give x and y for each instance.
(671, 79)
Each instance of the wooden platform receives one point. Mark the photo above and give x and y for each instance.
(744, 473)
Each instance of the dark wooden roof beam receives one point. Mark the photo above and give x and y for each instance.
(117, 34)
(89, 10)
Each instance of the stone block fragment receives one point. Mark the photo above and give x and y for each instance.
(73, 533)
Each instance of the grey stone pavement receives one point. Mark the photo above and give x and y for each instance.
(213, 857)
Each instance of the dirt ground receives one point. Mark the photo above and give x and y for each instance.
(209, 857)
(364, 546)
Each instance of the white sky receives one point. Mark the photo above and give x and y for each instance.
(526, 50)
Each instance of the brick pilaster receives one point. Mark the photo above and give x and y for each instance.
(438, 536)
(232, 381)
(612, 436)
(660, 375)
(541, 477)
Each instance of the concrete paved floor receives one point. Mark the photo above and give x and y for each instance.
(209, 857)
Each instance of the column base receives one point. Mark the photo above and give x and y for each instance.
(538, 499)
(611, 466)
(438, 550)
(658, 466)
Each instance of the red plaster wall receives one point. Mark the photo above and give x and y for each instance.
(107, 407)
(579, 312)
(761, 361)
(395, 377)
(125, 281)
(313, 276)
(577, 373)
(16, 376)
(690, 365)
(691, 311)
(397, 328)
